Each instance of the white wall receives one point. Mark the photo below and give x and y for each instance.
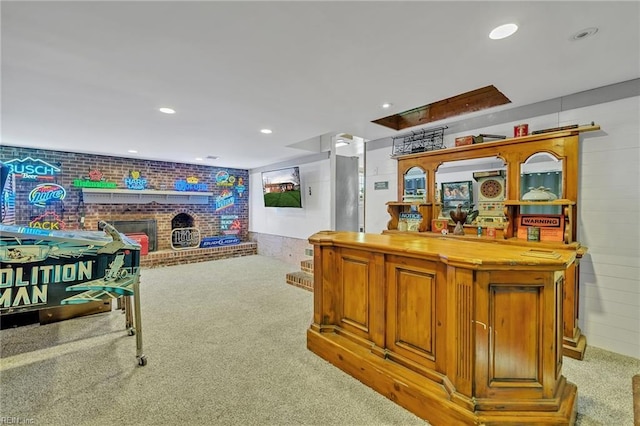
(608, 216)
(608, 223)
(301, 223)
(379, 168)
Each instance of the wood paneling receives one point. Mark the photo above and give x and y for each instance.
(461, 313)
(475, 100)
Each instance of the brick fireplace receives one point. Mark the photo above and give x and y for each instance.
(157, 221)
(157, 209)
(182, 220)
(141, 226)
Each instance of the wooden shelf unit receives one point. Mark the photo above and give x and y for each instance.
(395, 208)
(513, 212)
(564, 146)
(513, 152)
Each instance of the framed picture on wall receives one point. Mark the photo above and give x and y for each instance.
(456, 193)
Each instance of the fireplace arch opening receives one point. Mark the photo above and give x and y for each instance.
(184, 234)
(182, 220)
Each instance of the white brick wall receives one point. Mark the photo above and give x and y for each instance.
(608, 221)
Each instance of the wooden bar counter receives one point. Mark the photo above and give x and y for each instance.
(457, 332)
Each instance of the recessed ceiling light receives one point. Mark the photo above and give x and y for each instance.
(132, 151)
(503, 31)
(212, 157)
(167, 110)
(386, 105)
(199, 159)
(582, 34)
(266, 131)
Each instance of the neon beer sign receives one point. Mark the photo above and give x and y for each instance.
(32, 169)
(192, 183)
(48, 220)
(224, 179)
(135, 181)
(45, 193)
(94, 180)
(224, 200)
(240, 187)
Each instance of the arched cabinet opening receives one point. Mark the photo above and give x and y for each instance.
(541, 179)
(415, 185)
(413, 211)
(542, 211)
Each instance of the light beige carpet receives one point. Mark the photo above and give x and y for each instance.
(226, 345)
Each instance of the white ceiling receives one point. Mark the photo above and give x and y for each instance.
(89, 76)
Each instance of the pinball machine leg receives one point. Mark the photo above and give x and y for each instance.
(142, 359)
(129, 324)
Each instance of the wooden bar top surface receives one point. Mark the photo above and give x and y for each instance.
(474, 254)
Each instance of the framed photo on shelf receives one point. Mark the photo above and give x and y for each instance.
(454, 194)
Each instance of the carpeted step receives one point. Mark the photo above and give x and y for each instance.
(300, 279)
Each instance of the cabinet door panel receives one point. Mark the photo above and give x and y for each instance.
(516, 333)
(355, 291)
(519, 310)
(411, 311)
(359, 304)
(414, 323)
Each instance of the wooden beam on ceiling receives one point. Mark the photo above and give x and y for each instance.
(475, 100)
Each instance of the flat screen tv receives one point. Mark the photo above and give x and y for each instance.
(281, 188)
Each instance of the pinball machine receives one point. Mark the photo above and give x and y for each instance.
(48, 268)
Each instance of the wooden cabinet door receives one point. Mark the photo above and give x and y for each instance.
(517, 335)
(360, 294)
(415, 306)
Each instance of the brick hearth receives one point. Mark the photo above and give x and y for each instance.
(176, 257)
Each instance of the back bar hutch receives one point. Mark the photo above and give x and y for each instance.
(514, 153)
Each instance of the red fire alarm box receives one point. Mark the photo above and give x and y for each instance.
(141, 239)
